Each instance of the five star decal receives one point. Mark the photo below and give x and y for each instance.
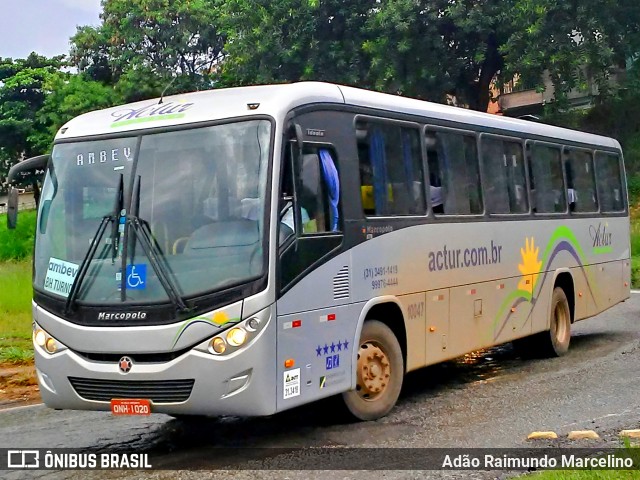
(332, 348)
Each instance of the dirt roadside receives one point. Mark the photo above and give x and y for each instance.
(18, 385)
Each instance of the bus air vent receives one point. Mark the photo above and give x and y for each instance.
(341, 284)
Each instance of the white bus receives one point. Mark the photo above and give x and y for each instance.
(245, 251)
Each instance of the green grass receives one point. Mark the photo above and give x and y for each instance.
(17, 244)
(635, 272)
(635, 249)
(635, 237)
(628, 450)
(15, 312)
(585, 475)
(18, 355)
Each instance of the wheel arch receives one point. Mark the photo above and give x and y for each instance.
(564, 279)
(386, 310)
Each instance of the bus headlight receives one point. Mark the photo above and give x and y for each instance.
(50, 346)
(39, 337)
(236, 336)
(45, 341)
(218, 345)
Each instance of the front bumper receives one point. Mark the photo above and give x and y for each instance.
(242, 383)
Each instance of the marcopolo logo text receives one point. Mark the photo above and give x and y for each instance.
(122, 315)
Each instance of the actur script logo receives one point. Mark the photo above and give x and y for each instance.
(601, 237)
(150, 113)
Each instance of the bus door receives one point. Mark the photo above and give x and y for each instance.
(315, 322)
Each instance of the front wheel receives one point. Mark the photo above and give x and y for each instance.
(379, 373)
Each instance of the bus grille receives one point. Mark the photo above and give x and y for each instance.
(158, 391)
(341, 284)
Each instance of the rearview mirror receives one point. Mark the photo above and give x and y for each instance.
(12, 208)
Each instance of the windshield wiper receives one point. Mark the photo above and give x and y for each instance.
(95, 242)
(117, 213)
(146, 242)
(143, 233)
(84, 266)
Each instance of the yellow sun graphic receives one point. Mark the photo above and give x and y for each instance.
(220, 318)
(530, 265)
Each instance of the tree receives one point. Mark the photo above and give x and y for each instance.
(69, 95)
(573, 40)
(428, 49)
(149, 42)
(292, 40)
(22, 94)
(433, 48)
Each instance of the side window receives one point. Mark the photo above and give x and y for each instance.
(581, 183)
(610, 190)
(317, 193)
(505, 184)
(287, 223)
(547, 184)
(454, 175)
(390, 169)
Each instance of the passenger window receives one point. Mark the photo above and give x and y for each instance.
(547, 184)
(391, 175)
(454, 175)
(581, 183)
(505, 181)
(610, 190)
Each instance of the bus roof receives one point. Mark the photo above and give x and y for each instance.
(278, 100)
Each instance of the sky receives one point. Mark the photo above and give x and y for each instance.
(43, 26)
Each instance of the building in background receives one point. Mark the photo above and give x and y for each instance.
(521, 97)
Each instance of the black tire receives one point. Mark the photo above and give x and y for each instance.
(379, 372)
(555, 341)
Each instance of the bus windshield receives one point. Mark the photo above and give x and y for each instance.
(200, 193)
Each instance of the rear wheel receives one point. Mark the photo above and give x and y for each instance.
(379, 373)
(555, 341)
(559, 335)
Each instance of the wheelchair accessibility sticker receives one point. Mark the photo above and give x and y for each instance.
(136, 277)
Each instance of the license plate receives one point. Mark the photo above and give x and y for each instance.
(130, 406)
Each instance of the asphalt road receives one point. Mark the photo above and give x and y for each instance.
(492, 399)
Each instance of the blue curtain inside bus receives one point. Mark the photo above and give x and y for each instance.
(333, 184)
(379, 165)
(408, 162)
